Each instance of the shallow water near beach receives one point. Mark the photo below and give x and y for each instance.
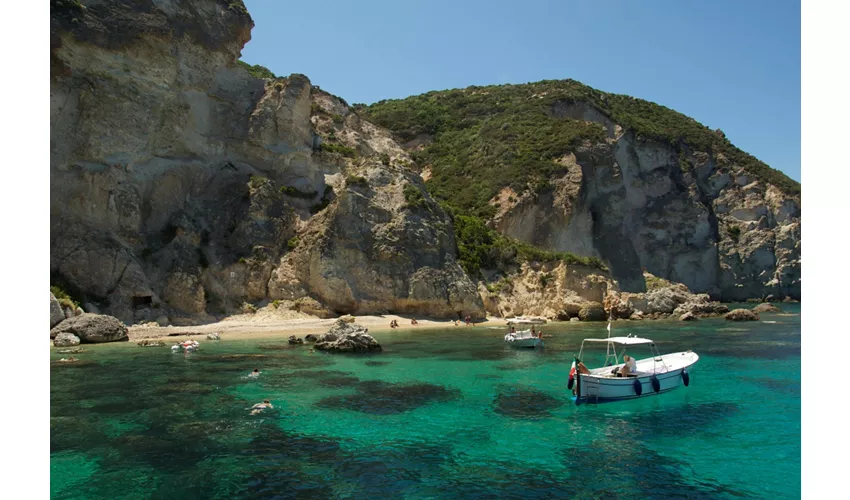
(451, 413)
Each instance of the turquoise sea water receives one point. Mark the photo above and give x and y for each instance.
(448, 413)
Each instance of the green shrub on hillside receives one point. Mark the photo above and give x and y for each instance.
(257, 71)
(486, 138)
(413, 196)
(338, 149)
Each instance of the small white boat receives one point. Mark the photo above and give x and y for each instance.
(523, 338)
(653, 375)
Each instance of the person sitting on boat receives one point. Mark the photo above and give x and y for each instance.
(628, 367)
(582, 369)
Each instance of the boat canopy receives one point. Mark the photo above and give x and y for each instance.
(526, 321)
(622, 340)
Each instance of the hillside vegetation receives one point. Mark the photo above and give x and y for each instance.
(485, 138)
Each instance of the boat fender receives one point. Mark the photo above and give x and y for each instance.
(638, 387)
(656, 385)
(570, 383)
(686, 377)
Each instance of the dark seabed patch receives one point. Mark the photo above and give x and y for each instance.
(392, 469)
(523, 402)
(376, 363)
(339, 381)
(383, 398)
(606, 470)
(790, 387)
(670, 422)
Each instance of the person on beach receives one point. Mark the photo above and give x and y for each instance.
(413, 322)
(259, 407)
(255, 373)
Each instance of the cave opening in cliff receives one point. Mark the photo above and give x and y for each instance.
(142, 301)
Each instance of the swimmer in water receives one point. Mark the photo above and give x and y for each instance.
(255, 373)
(259, 407)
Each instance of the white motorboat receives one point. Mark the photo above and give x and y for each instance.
(523, 338)
(650, 376)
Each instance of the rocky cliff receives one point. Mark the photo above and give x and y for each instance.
(569, 168)
(183, 186)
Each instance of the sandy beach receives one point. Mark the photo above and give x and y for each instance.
(285, 323)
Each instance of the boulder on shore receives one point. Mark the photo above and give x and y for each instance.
(741, 315)
(66, 339)
(311, 337)
(347, 337)
(93, 328)
(766, 308)
(57, 315)
(214, 336)
(293, 340)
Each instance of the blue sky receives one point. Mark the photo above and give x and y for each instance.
(733, 65)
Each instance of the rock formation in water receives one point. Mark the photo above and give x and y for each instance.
(92, 328)
(181, 185)
(347, 337)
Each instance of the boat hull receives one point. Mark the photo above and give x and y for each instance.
(527, 342)
(598, 388)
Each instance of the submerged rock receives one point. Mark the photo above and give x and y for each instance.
(346, 337)
(93, 328)
(741, 315)
(150, 343)
(293, 340)
(66, 339)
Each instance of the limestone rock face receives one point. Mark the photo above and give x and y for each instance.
(592, 312)
(92, 328)
(180, 183)
(695, 218)
(552, 290)
(373, 251)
